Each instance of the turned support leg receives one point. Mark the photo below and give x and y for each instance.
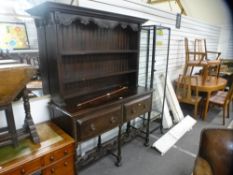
(128, 128)
(11, 124)
(118, 163)
(99, 143)
(28, 122)
(147, 130)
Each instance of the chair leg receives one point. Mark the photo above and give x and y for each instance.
(185, 69)
(224, 111)
(228, 110)
(195, 110)
(201, 107)
(191, 72)
(218, 70)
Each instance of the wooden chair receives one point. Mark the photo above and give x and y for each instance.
(212, 57)
(223, 99)
(199, 58)
(184, 92)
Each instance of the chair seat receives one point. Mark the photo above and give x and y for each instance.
(197, 63)
(202, 167)
(213, 62)
(192, 100)
(215, 155)
(203, 63)
(219, 98)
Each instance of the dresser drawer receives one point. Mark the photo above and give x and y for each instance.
(27, 168)
(58, 154)
(62, 167)
(137, 107)
(98, 122)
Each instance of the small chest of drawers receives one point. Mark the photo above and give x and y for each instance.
(53, 156)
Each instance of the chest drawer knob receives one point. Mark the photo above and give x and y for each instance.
(139, 104)
(65, 163)
(51, 158)
(65, 152)
(52, 170)
(23, 171)
(92, 127)
(133, 111)
(113, 120)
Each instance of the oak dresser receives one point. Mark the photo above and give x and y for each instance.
(89, 62)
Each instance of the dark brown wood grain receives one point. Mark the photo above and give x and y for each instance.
(58, 155)
(87, 56)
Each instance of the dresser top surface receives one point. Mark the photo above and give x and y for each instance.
(52, 138)
(72, 108)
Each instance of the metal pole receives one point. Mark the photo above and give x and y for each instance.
(147, 56)
(153, 57)
(165, 84)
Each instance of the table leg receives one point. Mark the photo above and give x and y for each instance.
(118, 163)
(11, 124)
(147, 130)
(206, 105)
(28, 122)
(99, 143)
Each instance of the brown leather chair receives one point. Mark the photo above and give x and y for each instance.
(215, 155)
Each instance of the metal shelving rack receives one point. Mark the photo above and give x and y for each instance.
(151, 48)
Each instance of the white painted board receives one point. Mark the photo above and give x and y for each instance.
(173, 103)
(164, 143)
(167, 119)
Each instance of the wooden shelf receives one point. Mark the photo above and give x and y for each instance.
(93, 52)
(96, 76)
(86, 92)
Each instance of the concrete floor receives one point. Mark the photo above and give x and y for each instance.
(140, 160)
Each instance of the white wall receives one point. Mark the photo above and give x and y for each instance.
(39, 111)
(212, 11)
(226, 42)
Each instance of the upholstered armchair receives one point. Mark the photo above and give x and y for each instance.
(215, 155)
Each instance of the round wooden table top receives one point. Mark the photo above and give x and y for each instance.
(13, 78)
(212, 83)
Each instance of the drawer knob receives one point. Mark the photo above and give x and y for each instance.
(133, 111)
(65, 152)
(51, 158)
(113, 120)
(93, 127)
(23, 171)
(53, 170)
(65, 163)
(139, 104)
